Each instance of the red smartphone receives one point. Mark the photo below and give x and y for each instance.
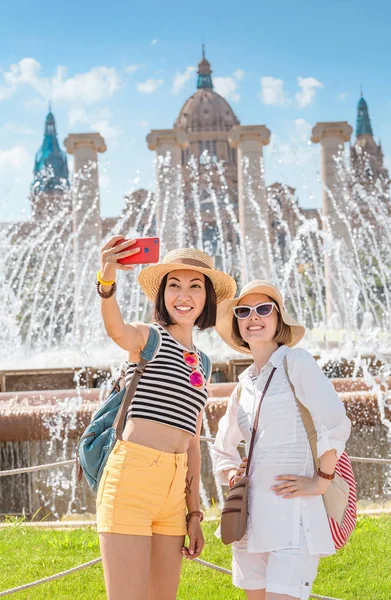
(149, 251)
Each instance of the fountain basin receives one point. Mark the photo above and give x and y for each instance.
(25, 415)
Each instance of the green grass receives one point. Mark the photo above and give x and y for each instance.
(361, 571)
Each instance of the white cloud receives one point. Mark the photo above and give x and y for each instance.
(103, 127)
(14, 159)
(239, 74)
(342, 96)
(85, 88)
(153, 42)
(133, 68)
(272, 91)
(308, 89)
(149, 86)
(96, 120)
(227, 87)
(181, 78)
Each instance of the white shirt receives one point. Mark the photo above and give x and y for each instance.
(282, 448)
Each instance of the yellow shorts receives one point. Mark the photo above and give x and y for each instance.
(142, 491)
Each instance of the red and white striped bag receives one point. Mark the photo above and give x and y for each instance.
(340, 529)
(342, 533)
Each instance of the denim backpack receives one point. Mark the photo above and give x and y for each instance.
(108, 423)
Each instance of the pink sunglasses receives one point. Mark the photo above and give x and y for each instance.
(196, 378)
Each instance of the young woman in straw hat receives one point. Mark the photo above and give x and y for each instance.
(153, 474)
(287, 529)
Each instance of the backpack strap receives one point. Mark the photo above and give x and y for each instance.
(149, 352)
(307, 420)
(207, 365)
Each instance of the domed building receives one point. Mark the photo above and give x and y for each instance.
(207, 119)
(208, 142)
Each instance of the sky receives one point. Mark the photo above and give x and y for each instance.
(124, 68)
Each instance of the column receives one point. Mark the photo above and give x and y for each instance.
(253, 210)
(87, 227)
(168, 145)
(86, 202)
(331, 137)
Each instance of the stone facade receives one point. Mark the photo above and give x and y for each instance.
(207, 131)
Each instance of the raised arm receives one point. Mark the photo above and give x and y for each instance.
(129, 336)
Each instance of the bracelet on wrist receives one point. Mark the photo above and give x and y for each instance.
(195, 513)
(102, 281)
(106, 295)
(326, 475)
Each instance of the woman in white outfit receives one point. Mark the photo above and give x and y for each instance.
(287, 530)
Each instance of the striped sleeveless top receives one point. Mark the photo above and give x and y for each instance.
(164, 393)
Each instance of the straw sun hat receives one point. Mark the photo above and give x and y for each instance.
(225, 314)
(186, 258)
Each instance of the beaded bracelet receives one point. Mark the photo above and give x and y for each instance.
(106, 295)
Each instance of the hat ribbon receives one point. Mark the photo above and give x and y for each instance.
(189, 261)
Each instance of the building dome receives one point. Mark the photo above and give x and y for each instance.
(206, 110)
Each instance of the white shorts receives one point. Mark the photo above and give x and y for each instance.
(290, 571)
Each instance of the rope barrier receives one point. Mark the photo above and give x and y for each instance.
(65, 463)
(51, 577)
(61, 463)
(95, 561)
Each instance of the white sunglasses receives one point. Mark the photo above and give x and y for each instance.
(262, 310)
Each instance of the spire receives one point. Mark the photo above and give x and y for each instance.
(363, 126)
(204, 80)
(51, 166)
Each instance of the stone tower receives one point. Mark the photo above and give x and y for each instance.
(50, 189)
(366, 155)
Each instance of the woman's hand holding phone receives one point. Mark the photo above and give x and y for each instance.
(116, 248)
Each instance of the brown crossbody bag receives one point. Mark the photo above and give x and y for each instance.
(233, 523)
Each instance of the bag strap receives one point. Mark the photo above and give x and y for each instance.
(149, 351)
(207, 365)
(256, 419)
(308, 421)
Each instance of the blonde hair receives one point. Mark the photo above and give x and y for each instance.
(282, 336)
